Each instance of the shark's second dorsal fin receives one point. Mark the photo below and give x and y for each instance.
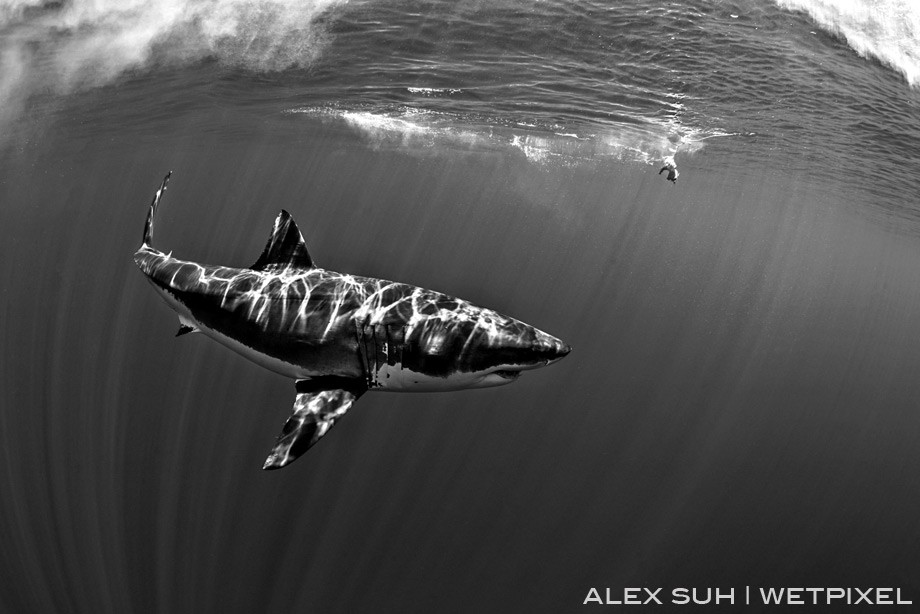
(285, 247)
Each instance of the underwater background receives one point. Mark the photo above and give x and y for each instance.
(742, 403)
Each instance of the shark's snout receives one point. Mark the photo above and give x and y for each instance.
(552, 348)
(561, 352)
(540, 350)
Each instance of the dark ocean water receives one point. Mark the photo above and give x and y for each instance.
(742, 405)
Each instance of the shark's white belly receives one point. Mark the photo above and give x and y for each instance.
(395, 378)
(267, 361)
(272, 363)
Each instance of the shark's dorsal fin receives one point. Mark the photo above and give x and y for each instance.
(285, 248)
(320, 402)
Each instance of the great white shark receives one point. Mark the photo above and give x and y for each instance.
(338, 335)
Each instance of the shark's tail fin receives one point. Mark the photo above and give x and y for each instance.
(148, 227)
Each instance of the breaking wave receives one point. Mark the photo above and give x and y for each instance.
(887, 30)
(60, 47)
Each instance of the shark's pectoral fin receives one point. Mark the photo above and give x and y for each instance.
(319, 404)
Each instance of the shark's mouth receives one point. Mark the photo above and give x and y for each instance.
(508, 374)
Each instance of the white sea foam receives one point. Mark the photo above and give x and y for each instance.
(433, 91)
(888, 30)
(426, 131)
(383, 123)
(407, 127)
(383, 128)
(62, 47)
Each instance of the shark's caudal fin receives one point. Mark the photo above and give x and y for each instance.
(285, 248)
(148, 227)
(319, 404)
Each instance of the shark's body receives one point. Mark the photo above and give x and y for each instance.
(340, 335)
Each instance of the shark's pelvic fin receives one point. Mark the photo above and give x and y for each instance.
(319, 404)
(285, 247)
(186, 326)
